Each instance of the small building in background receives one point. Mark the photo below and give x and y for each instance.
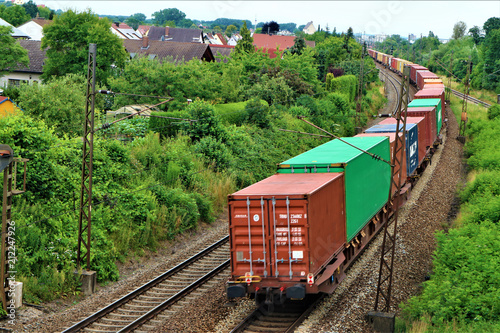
(309, 28)
(34, 28)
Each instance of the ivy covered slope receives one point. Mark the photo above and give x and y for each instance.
(464, 290)
(154, 177)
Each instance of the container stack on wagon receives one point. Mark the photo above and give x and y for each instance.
(297, 232)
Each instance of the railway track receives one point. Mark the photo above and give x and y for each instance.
(470, 99)
(281, 319)
(161, 296)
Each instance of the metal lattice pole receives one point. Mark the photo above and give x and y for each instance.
(450, 74)
(384, 286)
(85, 220)
(360, 91)
(463, 121)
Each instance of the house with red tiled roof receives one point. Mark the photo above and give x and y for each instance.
(124, 31)
(143, 29)
(271, 43)
(220, 39)
(7, 107)
(30, 74)
(172, 51)
(34, 28)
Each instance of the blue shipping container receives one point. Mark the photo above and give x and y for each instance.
(411, 142)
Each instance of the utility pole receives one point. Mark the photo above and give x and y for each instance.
(8, 164)
(450, 71)
(85, 218)
(360, 91)
(381, 318)
(463, 121)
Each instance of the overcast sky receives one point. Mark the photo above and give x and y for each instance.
(371, 17)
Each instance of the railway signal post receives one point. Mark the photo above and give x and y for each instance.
(381, 318)
(85, 217)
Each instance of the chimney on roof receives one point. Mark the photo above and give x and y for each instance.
(145, 42)
(117, 24)
(166, 31)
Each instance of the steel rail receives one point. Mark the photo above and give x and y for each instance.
(159, 308)
(113, 306)
(470, 98)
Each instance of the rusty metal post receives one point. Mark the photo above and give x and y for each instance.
(384, 286)
(9, 166)
(463, 120)
(85, 218)
(450, 75)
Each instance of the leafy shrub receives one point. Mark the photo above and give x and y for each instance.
(257, 113)
(465, 285)
(493, 111)
(207, 123)
(345, 84)
(167, 127)
(215, 152)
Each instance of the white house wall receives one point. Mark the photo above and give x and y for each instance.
(31, 78)
(32, 29)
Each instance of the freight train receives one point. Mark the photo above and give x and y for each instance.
(299, 230)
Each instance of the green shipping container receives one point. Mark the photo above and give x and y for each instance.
(426, 102)
(367, 180)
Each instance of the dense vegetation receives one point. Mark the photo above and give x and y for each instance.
(463, 292)
(165, 176)
(481, 44)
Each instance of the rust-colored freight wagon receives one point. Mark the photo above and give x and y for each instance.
(413, 71)
(429, 114)
(433, 93)
(422, 75)
(285, 231)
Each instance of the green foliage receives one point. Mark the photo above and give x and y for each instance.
(231, 113)
(15, 15)
(466, 279)
(170, 14)
(166, 127)
(245, 45)
(257, 113)
(60, 103)
(493, 111)
(215, 153)
(207, 123)
(71, 55)
(345, 84)
(12, 54)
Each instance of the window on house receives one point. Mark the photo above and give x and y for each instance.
(14, 82)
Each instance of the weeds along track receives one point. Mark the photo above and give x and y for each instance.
(151, 304)
(470, 99)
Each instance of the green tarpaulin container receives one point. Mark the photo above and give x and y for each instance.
(367, 180)
(436, 102)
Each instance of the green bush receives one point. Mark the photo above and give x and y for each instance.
(167, 127)
(465, 284)
(215, 152)
(345, 84)
(257, 113)
(493, 111)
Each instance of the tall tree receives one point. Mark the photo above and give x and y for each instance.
(12, 53)
(298, 46)
(270, 28)
(492, 23)
(15, 15)
(245, 45)
(230, 30)
(68, 38)
(31, 8)
(477, 34)
(135, 20)
(169, 14)
(459, 30)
